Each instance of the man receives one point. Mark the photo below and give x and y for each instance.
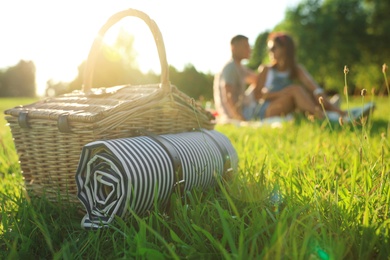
(230, 85)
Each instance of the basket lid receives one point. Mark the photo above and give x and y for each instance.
(103, 103)
(86, 107)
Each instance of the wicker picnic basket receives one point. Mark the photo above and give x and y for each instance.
(50, 134)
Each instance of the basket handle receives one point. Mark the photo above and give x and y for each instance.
(97, 44)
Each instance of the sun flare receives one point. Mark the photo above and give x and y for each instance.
(135, 32)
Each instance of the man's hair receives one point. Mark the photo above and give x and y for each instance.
(237, 39)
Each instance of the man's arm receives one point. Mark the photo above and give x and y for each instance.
(251, 77)
(234, 111)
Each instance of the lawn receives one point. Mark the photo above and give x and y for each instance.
(307, 190)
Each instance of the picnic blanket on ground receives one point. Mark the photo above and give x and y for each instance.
(135, 172)
(353, 114)
(273, 122)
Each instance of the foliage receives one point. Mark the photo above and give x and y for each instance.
(260, 50)
(195, 84)
(6, 103)
(18, 80)
(303, 191)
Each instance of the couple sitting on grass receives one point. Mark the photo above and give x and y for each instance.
(276, 91)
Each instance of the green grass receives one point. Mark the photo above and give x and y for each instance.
(304, 191)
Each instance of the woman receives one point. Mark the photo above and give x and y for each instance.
(285, 86)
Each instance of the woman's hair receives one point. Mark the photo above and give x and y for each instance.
(285, 41)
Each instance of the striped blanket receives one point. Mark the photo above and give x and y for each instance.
(115, 175)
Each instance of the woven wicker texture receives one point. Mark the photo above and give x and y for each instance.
(50, 134)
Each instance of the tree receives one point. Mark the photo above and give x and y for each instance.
(259, 53)
(193, 83)
(378, 26)
(115, 65)
(19, 80)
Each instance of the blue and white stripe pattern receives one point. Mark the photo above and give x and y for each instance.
(114, 175)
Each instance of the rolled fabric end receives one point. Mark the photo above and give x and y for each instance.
(116, 174)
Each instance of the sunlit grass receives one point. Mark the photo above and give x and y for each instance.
(6, 103)
(303, 191)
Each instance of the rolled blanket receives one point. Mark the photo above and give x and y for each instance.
(115, 175)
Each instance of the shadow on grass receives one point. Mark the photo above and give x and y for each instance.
(322, 229)
(35, 228)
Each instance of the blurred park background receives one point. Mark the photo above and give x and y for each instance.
(330, 34)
